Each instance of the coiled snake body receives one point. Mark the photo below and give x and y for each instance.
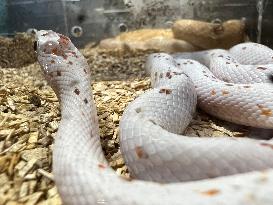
(149, 132)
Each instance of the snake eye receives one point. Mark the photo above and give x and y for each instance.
(270, 77)
(35, 45)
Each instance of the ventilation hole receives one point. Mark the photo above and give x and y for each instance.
(123, 27)
(76, 31)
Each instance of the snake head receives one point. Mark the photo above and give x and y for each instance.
(58, 56)
(53, 48)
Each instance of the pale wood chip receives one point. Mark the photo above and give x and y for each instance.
(46, 174)
(32, 186)
(31, 176)
(33, 198)
(3, 179)
(24, 190)
(52, 192)
(51, 201)
(33, 137)
(6, 132)
(37, 153)
(29, 165)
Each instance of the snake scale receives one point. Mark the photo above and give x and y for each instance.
(205, 171)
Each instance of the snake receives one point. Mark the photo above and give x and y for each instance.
(167, 167)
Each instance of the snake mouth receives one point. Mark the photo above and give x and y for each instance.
(35, 46)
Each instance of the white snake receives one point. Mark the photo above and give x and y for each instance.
(150, 143)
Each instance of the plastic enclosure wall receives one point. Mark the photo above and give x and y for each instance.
(104, 18)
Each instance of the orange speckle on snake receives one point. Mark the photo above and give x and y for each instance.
(211, 192)
(265, 111)
(213, 92)
(55, 51)
(224, 92)
(101, 166)
(63, 40)
(141, 154)
(267, 145)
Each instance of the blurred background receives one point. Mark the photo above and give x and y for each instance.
(92, 20)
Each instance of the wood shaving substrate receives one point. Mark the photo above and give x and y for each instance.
(29, 117)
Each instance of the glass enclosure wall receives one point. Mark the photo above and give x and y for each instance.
(3, 18)
(93, 20)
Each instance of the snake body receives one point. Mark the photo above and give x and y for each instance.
(244, 63)
(149, 134)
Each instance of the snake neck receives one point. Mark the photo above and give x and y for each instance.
(79, 123)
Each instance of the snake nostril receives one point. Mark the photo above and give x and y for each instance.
(35, 45)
